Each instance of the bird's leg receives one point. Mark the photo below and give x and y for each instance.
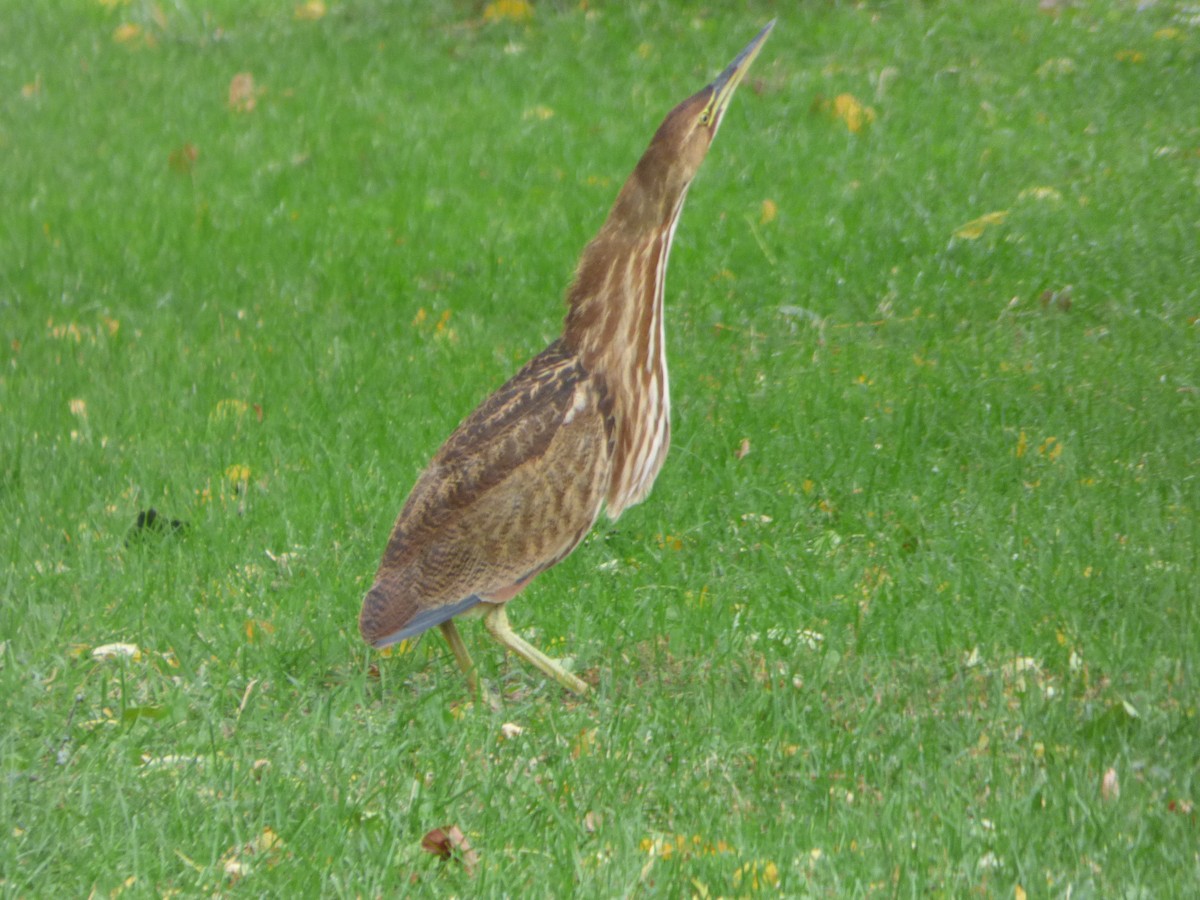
(478, 690)
(497, 623)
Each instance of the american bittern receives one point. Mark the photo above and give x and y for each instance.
(584, 425)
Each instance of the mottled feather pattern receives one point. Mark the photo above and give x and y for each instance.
(511, 492)
(583, 426)
(625, 342)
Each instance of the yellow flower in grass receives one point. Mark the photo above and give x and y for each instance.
(1051, 448)
(856, 116)
(228, 409)
(237, 474)
(310, 11)
(1022, 444)
(513, 10)
(757, 875)
(682, 846)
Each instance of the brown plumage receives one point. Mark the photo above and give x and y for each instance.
(585, 425)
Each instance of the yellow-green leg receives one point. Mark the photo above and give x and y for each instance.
(497, 623)
(459, 649)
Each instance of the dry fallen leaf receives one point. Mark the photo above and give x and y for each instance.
(243, 95)
(310, 11)
(237, 473)
(266, 847)
(974, 229)
(228, 409)
(1060, 299)
(450, 843)
(127, 33)
(1040, 192)
(114, 651)
(1110, 785)
(669, 542)
(769, 211)
(512, 10)
(183, 159)
(744, 450)
(586, 743)
(856, 116)
(757, 874)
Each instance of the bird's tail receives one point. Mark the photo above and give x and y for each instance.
(389, 616)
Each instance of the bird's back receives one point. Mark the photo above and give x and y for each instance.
(512, 491)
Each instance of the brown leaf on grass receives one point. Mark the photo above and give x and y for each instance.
(451, 843)
(586, 744)
(1110, 785)
(266, 847)
(183, 159)
(255, 628)
(243, 95)
(127, 33)
(744, 450)
(1060, 299)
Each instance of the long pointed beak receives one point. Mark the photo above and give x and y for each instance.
(726, 83)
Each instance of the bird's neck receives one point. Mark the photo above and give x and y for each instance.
(615, 325)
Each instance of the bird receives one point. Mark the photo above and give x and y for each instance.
(582, 428)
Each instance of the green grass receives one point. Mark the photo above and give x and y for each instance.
(892, 650)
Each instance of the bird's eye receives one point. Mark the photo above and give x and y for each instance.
(706, 117)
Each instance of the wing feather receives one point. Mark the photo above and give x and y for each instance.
(511, 492)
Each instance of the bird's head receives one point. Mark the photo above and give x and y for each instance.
(678, 148)
(621, 272)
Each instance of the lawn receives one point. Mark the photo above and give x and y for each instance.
(912, 609)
